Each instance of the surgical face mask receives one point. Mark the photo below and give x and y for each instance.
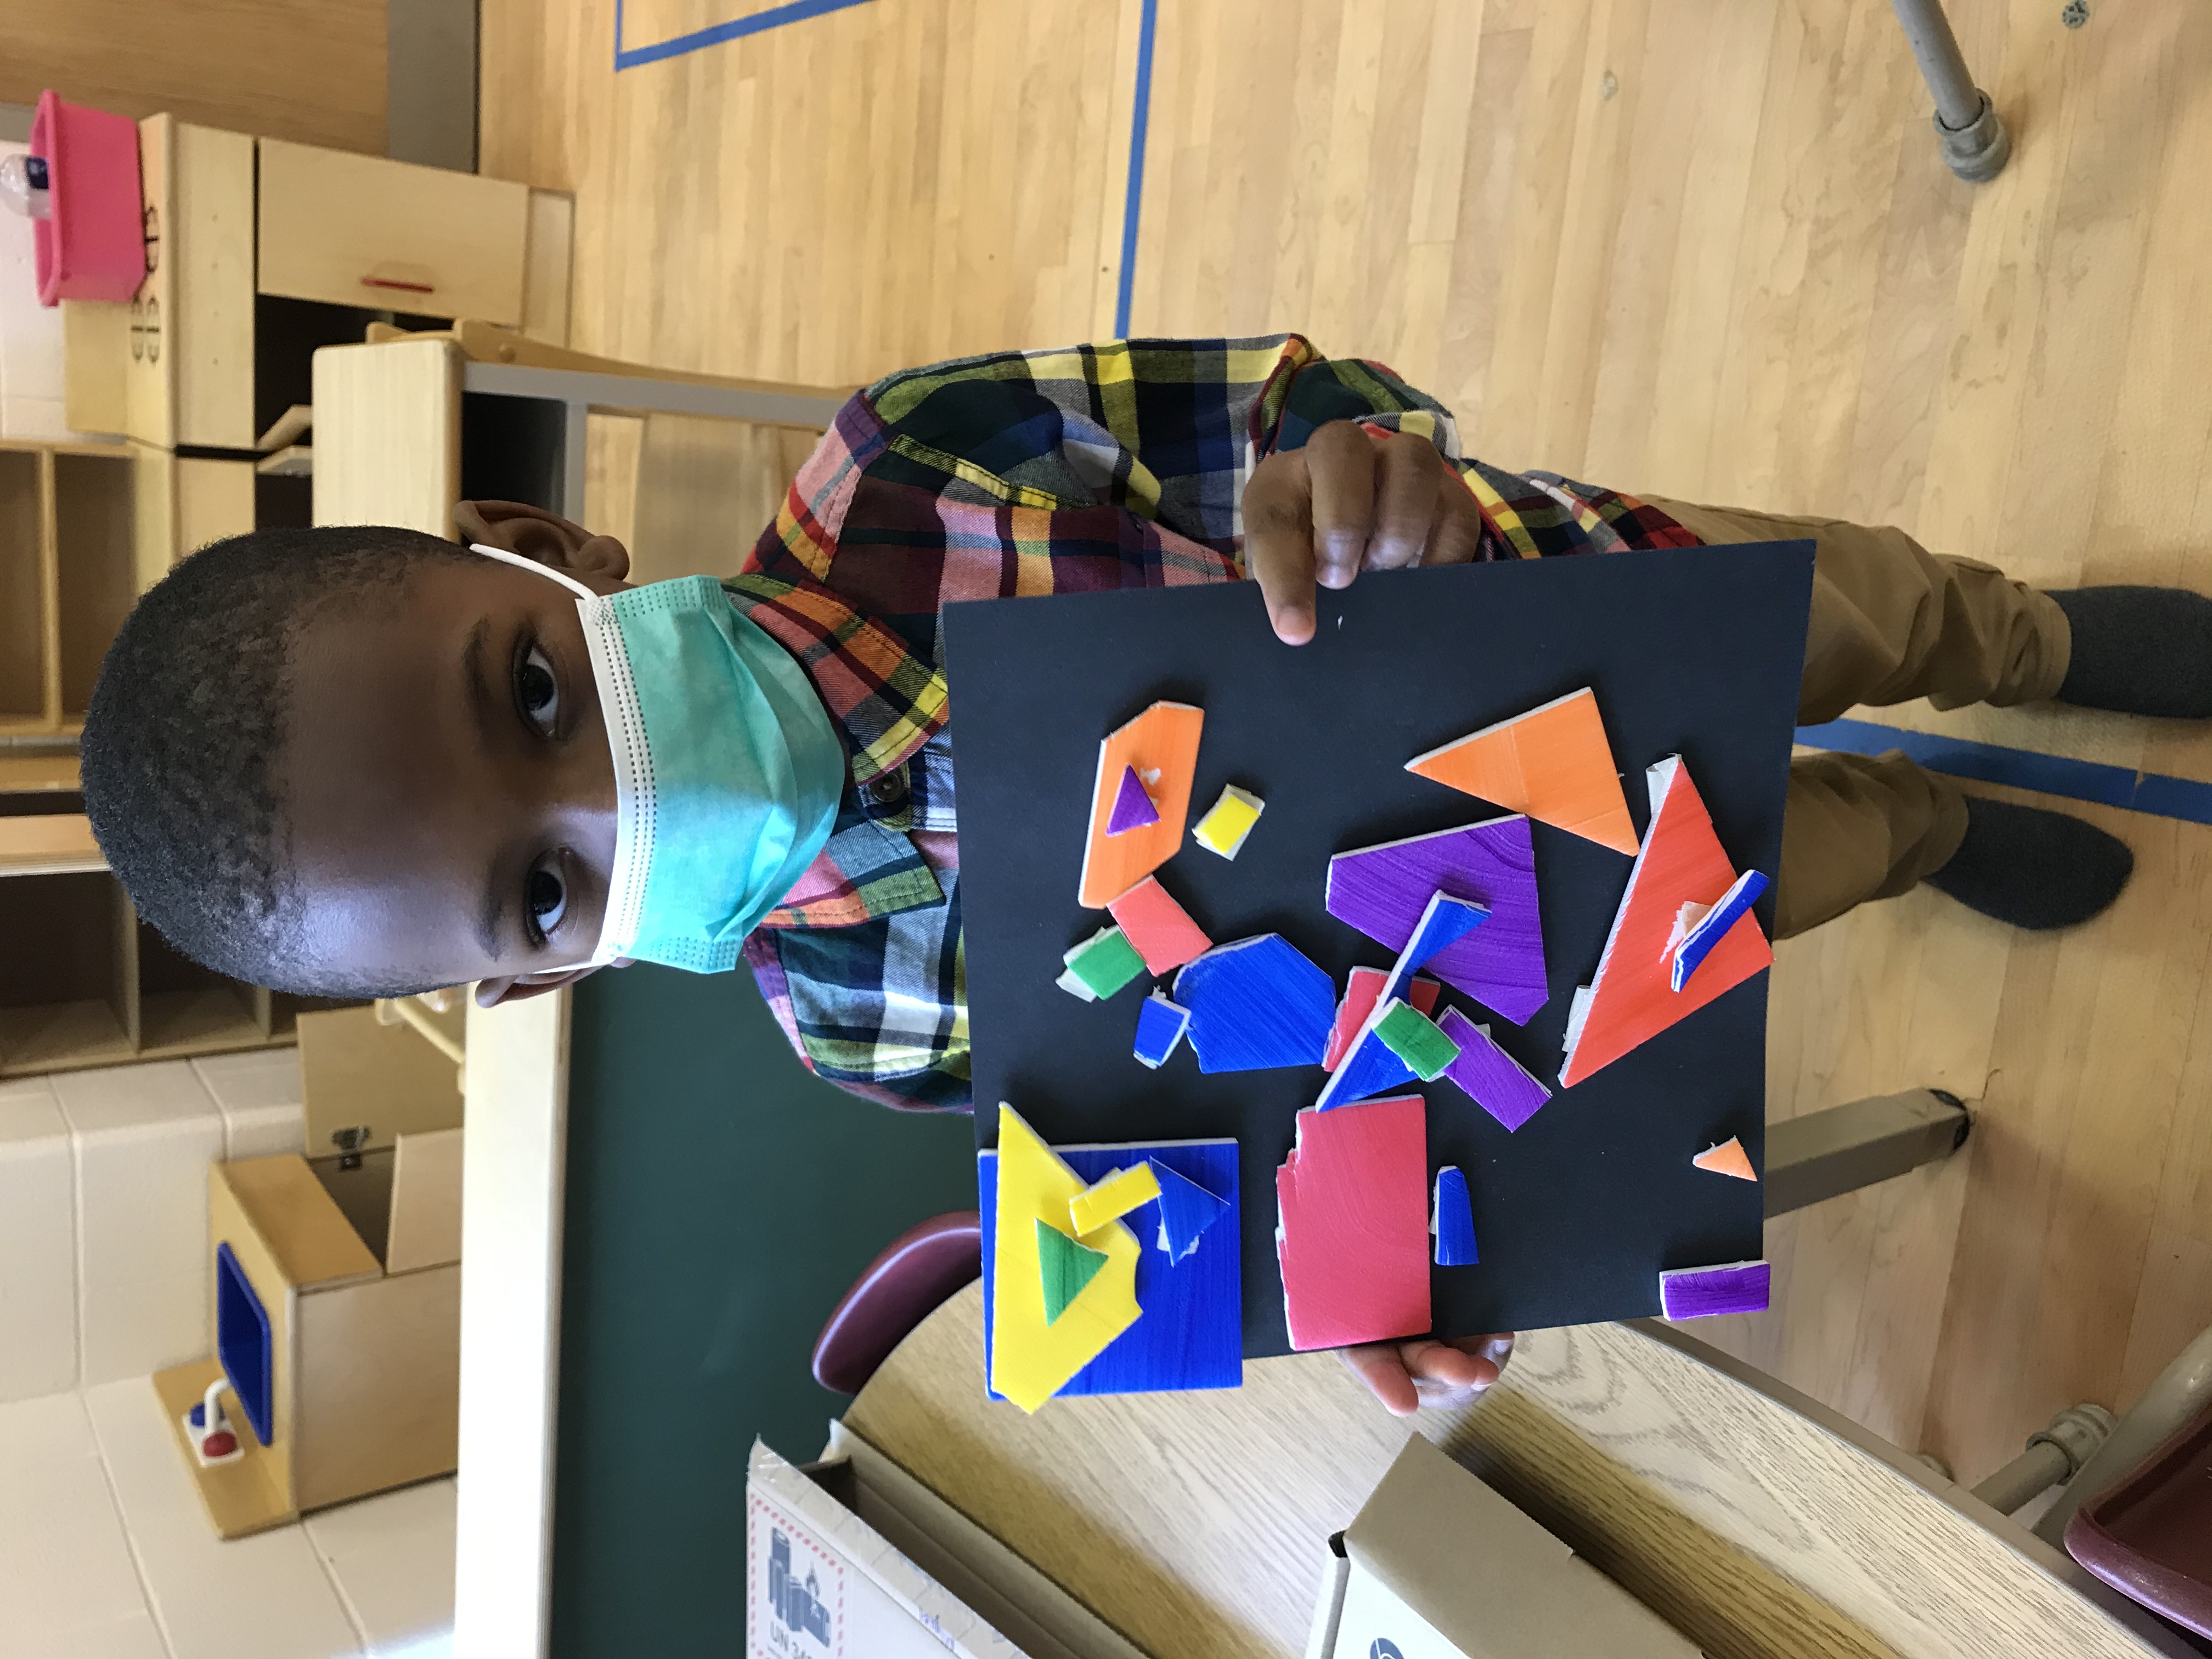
(727, 770)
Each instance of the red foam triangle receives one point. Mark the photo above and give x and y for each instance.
(1681, 862)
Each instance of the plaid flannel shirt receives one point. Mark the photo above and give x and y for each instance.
(1101, 466)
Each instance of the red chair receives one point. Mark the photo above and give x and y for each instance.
(2149, 1534)
(916, 1272)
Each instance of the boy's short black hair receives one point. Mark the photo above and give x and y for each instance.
(185, 727)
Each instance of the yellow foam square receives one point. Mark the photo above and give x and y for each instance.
(1113, 1198)
(1032, 1359)
(1228, 821)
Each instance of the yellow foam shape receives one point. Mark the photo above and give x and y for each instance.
(1228, 821)
(1113, 1198)
(1031, 1361)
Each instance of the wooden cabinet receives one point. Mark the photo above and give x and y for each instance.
(175, 365)
(359, 230)
(66, 578)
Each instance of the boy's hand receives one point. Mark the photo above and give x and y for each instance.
(1407, 1375)
(1350, 502)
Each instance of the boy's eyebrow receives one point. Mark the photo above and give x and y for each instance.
(472, 656)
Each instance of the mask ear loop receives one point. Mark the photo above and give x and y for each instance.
(521, 564)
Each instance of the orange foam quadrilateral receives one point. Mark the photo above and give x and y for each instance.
(1630, 1001)
(1729, 1158)
(1162, 744)
(1552, 763)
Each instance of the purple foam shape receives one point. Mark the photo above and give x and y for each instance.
(1494, 1079)
(1132, 807)
(1384, 892)
(1702, 1292)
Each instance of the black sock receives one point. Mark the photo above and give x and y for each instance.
(2140, 651)
(2033, 868)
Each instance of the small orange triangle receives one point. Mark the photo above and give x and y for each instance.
(1551, 763)
(1729, 1158)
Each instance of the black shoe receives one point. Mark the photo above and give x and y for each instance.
(2031, 868)
(2140, 651)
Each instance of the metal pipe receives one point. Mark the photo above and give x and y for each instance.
(1942, 65)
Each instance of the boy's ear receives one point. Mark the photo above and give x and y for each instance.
(547, 537)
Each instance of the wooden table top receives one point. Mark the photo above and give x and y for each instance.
(1756, 1521)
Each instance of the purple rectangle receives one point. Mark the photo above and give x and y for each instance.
(1702, 1292)
(1493, 1078)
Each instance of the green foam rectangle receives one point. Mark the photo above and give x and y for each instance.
(1105, 962)
(1413, 1037)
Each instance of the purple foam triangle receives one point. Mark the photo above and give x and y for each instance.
(1132, 807)
(1494, 1079)
(1384, 890)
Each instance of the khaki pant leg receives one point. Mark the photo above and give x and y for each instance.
(1890, 621)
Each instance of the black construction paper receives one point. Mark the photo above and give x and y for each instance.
(1693, 650)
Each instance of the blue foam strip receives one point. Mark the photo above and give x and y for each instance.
(1190, 1334)
(796, 11)
(2152, 793)
(1699, 944)
(1132, 204)
(1455, 1220)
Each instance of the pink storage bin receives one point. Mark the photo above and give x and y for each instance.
(93, 245)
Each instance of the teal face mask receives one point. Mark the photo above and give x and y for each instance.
(727, 770)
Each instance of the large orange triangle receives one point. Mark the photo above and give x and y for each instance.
(1630, 1000)
(1551, 763)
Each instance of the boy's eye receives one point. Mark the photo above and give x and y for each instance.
(537, 691)
(546, 897)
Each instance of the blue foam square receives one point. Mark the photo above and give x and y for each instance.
(1190, 1334)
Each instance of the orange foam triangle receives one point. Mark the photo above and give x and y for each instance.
(1729, 1158)
(1630, 1000)
(1551, 763)
(1162, 744)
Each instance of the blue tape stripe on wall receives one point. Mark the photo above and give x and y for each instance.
(796, 11)
(1132, 204)
(2023, 768)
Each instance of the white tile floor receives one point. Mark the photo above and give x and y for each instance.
(106, 1554)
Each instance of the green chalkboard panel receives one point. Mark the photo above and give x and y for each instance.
(720, 1199)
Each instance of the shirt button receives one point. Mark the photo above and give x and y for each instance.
(887, 788)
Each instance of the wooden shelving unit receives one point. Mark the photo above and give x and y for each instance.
(84, 982)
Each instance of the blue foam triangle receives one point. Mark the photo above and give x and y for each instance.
(1371, 1066)
(1445, 922)
(1186, 1210)
(1455, 1220)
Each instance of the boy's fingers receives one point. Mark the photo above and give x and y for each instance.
(1405, 502)
(1278, 542)
(1379, 1366)
(1342, 460)
(1457, 536)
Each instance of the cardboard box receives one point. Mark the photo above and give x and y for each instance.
(344, 1283)
(1439, 1567)
(853, 1557)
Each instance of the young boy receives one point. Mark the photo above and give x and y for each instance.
(362, 761)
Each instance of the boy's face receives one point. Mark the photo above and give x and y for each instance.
(448, 783)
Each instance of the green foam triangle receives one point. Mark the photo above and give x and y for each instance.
(1068, 1266)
